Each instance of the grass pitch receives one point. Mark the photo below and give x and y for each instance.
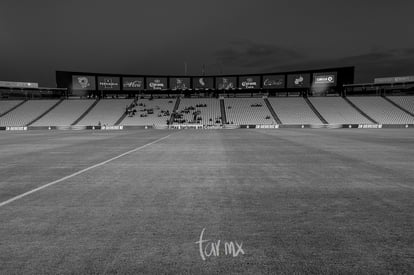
(306, 201)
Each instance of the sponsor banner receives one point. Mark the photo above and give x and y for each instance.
(203, 82)
(12, 84)
(119, 127)
(83, 82)
(180, 83)
(370, 126)
(398, 79)
(264, 126)
(298, 81)
(274, 82)
(249, 82)
(109, 83)
(133, 83)
(245, 126)
(324, 78)
(16, 128)
(226, 83)
(156, 83)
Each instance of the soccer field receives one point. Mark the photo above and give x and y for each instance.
(306, 201)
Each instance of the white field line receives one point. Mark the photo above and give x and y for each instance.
(79, 172)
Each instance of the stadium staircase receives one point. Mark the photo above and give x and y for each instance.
(177, 104)
(85, 113)
(121, 119)
(223, 111)
(272, 111)
(47, 111)
(359, 110)
(316, 111)
(14, 108)
(398, 106)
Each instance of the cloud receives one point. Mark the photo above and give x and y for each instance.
(244, 54)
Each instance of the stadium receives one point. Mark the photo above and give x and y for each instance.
(275, 171)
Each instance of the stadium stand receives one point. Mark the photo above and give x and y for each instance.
(150, 112)
(293, 110)
(381, 110)
(65, 113)
(406, 102)
(337, 111)
(247, 111)
(6, 105)
(106, 111)
(206, 110)
(27, 112)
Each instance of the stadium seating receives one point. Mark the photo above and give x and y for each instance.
(294, 110)
(210, 115)
(6, 105)
(107, 112)
(337, 111)
(65, 113)
(160, 114)
(242, 111)
(381, 110)
(407, 102)
(26, 113)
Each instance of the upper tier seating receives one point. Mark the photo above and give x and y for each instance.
(107, 112)
(151, 112)
(381, 110)
(241, 111)
(407, 102)
(6, 105)
(210, 115)
(336, 110)
(293, 110)
(65, 113)
(26, 113)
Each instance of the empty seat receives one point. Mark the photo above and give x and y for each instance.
(107, 112)
(294, 110)
(65, 113)
(240, 111)
(407, 102)
(337, 110)
(26, 113)
(381, 110)
(6, 105)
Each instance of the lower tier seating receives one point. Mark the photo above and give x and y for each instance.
(205, 111)
(27, 112)
(407, 102)
(6, 105)
(294, 110)
(106, 112)
(65, 113)
(336, 110)
(247, 111)
(381, 110)
(150, 112)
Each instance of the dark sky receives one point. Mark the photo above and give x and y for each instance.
(39, 37)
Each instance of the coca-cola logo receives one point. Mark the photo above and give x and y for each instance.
(272, 82)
